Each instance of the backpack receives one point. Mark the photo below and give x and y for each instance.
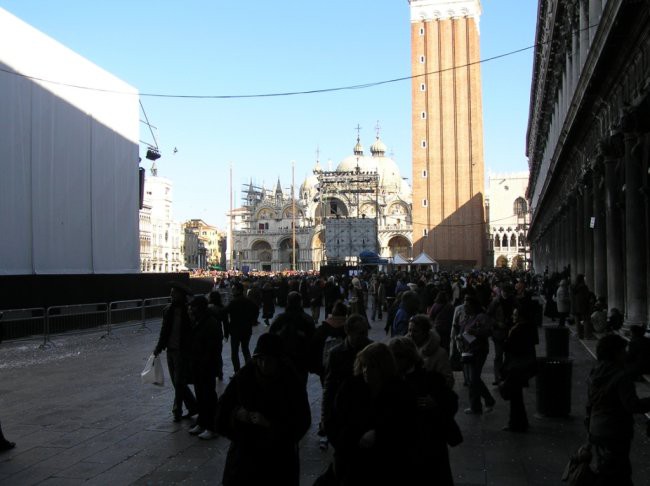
(330, 343)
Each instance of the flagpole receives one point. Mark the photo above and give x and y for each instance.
(293, 214)
(230, 237)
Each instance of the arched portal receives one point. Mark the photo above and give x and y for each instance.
(400, 244)
(262, 254)
(317, 246)
(286, 253)
(330, 208)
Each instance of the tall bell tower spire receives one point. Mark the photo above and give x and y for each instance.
(447, 120)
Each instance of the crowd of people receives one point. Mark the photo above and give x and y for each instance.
(388, 408)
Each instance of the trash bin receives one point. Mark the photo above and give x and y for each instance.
(554, 386)
(557, 341)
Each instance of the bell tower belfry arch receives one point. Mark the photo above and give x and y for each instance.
(447, 132)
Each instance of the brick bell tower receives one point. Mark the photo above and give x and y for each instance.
(447, 118)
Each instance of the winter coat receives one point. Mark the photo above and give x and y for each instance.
(520, 361)
(166, 328)
(340, 366)
(436, 358)
(260, 455)
(581, 299)
(481, 326)
(442, 316)
(563, 299)
(436, 427)
(242, 313)
(296, 328)
(391, 414)
(612, 401)
(268, 301)
(205, 347)
(401, 323)
(330, 329)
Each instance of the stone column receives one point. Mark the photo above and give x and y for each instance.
(575, 48)
(612, 148)
(559, 241)
(552, 234)
(588, 208)
(571, 230)
(600, 248)
(584, 31)
(595, 9)
(564, 235)
(635, 242)
(566, 248)
(646, 194)
(580, 231)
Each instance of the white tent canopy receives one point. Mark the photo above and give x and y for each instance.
(400, 260)
(424, 259)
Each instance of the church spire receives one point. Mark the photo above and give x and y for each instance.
(358, 148)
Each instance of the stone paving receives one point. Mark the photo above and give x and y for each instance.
(79, 414)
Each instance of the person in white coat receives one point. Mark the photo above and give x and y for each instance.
(562, 298)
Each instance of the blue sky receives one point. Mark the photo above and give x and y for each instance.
(213, 47)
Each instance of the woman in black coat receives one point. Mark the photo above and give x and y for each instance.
(518, 367)
(205, 359)
(264, 411)
(436, 406)
(373, 423)
(268, 302)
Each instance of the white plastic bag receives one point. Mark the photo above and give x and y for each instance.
(153, 371)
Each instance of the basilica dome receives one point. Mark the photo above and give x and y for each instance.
(310, 184)
(390, 178)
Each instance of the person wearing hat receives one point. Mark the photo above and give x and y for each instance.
(264, 411)
(205, 361)
(175, 338)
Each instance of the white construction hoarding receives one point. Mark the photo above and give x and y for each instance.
(69, 131)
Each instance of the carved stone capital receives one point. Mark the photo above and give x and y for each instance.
(427, 10)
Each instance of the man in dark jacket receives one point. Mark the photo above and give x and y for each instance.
(611, 403)
(340, 363)
(242, 313)
(264, 411)
(581, 306)
(175, 338)
(205, 359)
(296, 328)
(332, 293)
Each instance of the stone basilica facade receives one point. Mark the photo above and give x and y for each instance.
(362, 186)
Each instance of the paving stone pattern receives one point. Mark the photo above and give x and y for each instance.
(80, 415)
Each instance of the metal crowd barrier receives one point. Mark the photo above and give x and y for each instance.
(124, 312)
(22, 323)
(60, 319)
(152, 308)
